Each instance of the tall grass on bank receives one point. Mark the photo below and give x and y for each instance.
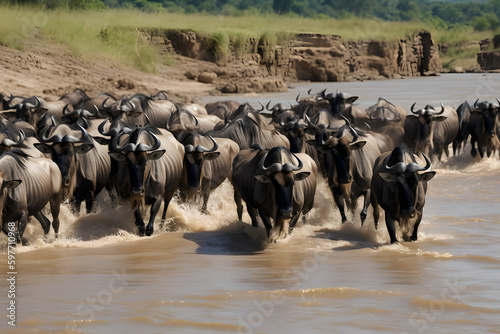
(112, 33)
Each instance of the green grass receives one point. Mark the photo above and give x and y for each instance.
(113, 34)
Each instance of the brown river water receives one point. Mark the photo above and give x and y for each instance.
(215, 274)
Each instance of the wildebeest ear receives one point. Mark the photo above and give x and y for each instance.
(263, 178)
(351, 99)
(102, 140)
(439, 118)
(387, 177)
(427, 176)
(118, 156)
(42, 147)
(155, 155)
(11, 184)
(211, 156)
(301, 176)
(357, 145)
(84, 148)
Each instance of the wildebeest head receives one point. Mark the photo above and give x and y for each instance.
(295, 131)
(79, 115)
(404, 178)
(338, 101)
(5, 185)
(194, 157)
(382, 113)
(337, 148)
(489, 112)
(135, 149)
(181, 121)
(277, 168)
(426, 116)
(63, 145)
(30, 110)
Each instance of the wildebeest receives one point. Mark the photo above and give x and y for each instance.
(84, 163)
(464, 113)
(27, 185)
(149, 170)
(349, 156)
(156, 111)
(183, 120)
(246, 131)
(399, 185)
(280, 185)
(387, 119)
(483, 128)
(207, 163)
(222, 109)
(430, 131)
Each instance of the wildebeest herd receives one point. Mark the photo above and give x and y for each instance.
(144, 149)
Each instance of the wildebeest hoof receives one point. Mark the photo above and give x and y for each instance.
(363, 217)
(149, 231)
(413, 238)
(141, 231)
(24, 241)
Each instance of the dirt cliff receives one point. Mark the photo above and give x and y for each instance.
(264, 67)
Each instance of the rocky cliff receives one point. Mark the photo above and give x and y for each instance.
(258, 65)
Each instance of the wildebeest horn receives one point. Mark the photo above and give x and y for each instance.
(442, 110)
(141, 147)
(148, 121)
(95, 113)
(261, 109)
(354, 132)
(267, 105)
(202, 149)
(297, 98)
(277, 167)
(411, 109)
(412, 167)
(65, 110)
(104, 103)
(11, 95)
(100, 128)
(64, 139)
(9, 142)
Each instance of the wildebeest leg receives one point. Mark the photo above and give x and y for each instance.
(166, 202)
(112, 196)
(139, 222)
(55, 207)
(415, 228)
(366, 204)
(456, 147)
(239, 206)
(376, 210)
(252, 212)
(21, 226)
(339, 200)
(44, 221)
(293, 221)
(89, 201)
(205, 190)
(473, 150)
(267, 223)
(155, 207)
(391, 228)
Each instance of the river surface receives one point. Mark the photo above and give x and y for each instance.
(215, 274)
